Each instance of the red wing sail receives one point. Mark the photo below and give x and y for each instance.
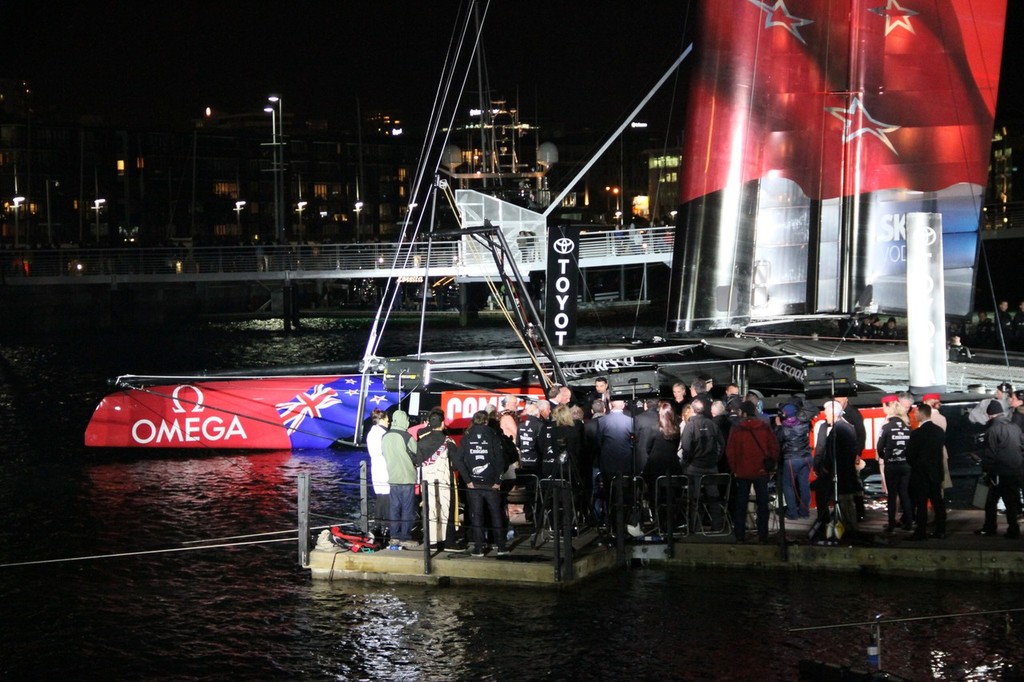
(814, 127)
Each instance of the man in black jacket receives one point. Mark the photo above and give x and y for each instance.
(924, 454)
(702, 447)
(836, 450)
(1001, 462)
(480, 462)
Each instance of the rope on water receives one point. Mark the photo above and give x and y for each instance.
(905, 620)
(145, 552)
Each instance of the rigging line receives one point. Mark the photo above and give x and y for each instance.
(250, 535)
(977, 206)
(530, 351)
(391, 287)
(125, 379)
(170, 550)
(373, 342)
(964, 614)
(995, 304)
(636, 312)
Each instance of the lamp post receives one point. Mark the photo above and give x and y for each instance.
(17, 209)
(49, 216)
(96, 206)
(238, 216)
(299, 208)
(277, 139)
(359, 210)
(613, 191)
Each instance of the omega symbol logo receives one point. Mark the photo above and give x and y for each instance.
(563, 246)
(195, 405)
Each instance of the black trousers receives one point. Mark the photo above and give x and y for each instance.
(1007, 489)
(924, 492)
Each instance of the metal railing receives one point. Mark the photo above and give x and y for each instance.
(78, 264)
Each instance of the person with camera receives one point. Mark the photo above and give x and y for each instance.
(1001, 464)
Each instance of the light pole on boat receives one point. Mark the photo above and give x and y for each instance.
(359, 210)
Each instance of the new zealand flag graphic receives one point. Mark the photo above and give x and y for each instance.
(325, 413)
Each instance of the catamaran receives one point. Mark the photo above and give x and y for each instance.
(825, 172)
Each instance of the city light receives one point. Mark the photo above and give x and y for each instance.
(97, 206)
(17, 206)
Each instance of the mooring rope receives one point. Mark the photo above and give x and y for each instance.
(144, 552)
(905, 620)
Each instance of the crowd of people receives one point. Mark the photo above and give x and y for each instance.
(717, 449)
(1002, 327)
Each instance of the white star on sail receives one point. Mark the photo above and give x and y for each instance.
(779, 15)
(877, 128)
(895, 16)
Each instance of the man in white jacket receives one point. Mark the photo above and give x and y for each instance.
(379, 471)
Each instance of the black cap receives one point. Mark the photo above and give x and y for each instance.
(1019, 395)
(1005, 387)
(994, 407)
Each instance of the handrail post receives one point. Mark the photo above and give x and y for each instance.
(620, 520)
(556, 518)
(565, 506)
(364, 507)
(304, 519)
(425, 492)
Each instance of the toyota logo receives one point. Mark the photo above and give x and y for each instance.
(927, 233)
(563, 246)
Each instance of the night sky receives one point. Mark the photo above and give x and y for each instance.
(142, 61)
(584, 64)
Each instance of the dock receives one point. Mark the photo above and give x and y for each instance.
(961, 555)
(524, 565)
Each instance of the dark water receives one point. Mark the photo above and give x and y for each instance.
(248, 611)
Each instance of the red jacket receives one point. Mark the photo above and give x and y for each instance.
(750, 442)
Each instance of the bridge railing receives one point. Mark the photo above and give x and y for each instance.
(373, 258)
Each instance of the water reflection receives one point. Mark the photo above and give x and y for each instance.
(250, 612)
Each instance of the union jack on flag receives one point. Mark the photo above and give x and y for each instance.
(312, 403)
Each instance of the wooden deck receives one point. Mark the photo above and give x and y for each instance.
(961, 555)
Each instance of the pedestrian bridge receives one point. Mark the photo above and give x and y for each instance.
(462, 259)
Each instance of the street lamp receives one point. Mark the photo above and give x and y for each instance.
(277, 139)
(96, 206)
(359, 210)
(299, 208)
(238, 215)
(613, 191)
(17, 210)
